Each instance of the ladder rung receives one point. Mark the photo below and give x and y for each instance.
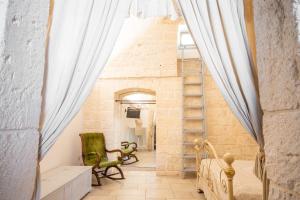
(193, 131)
(189, 156)
(195, 74)
(192, 83)
(193, 95)
(193, 118)
(189, 169)
(193, 107)
(188, 143)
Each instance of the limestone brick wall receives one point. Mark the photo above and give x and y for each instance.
(22, 45)
(100, 115)
(224, 130)
(277, 45)
(148, 62)
(145, 48)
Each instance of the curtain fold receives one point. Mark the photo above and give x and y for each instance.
(155, 8)
(81, 39)
(219, 31)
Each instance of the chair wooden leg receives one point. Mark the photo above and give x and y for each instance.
(110, 175)
(121, 172)
(136, 159)
(98, 179)
(129, 157)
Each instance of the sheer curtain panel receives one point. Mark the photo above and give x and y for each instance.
(155, 8)
(219, 31)
(81, 39)
(82, 36)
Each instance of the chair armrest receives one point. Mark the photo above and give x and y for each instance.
(127, 144)
(115, 151)
(120, 158)
(134, 145)
(98, 158)
(124, 142)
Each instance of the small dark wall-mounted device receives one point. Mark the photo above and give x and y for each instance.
(133, 113)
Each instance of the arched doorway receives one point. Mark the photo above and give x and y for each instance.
(135, 121)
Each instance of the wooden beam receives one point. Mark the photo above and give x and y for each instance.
(249, 20)
(51, 6)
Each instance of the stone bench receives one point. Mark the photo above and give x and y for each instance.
(66, 182)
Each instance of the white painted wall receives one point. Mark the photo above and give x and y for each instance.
(67, 149)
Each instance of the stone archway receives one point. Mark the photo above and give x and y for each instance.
(120, 93)
(125, 129)
(100, 111)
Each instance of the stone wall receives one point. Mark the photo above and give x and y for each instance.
(100, 115)
(22, 45)
(145, 48)
(277, 44)
(149, 63)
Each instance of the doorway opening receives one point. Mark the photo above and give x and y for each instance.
(135, 121)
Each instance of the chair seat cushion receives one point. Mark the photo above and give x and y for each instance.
(109, 163)
(128, 150)
(104, 163)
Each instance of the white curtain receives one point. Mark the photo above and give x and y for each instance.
(219, 31)
(82, 37)
(154, 8)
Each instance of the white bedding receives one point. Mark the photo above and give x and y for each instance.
(246, 186)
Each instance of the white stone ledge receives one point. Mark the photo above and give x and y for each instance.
(66, 182)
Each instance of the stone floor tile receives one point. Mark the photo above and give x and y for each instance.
(129, 192)
(198, 195)
(182, 186)
(159, 193)
(154, 185)
(99, 192)
(183, 195)
(184, 199)
(130, 197)
(146, 185)
(102, 198)
(134, 186)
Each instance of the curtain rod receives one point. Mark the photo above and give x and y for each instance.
(136, 101)
(142, 100)
(139, 103)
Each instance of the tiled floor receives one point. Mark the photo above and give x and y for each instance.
(146, 160)
(145, 185)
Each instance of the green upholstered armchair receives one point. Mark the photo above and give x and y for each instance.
(94, 153)
(128, 149)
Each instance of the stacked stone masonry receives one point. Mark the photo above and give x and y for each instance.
(153, 66)
(23, 26)
(277, 44)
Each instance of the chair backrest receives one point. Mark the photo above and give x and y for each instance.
(92, 142)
